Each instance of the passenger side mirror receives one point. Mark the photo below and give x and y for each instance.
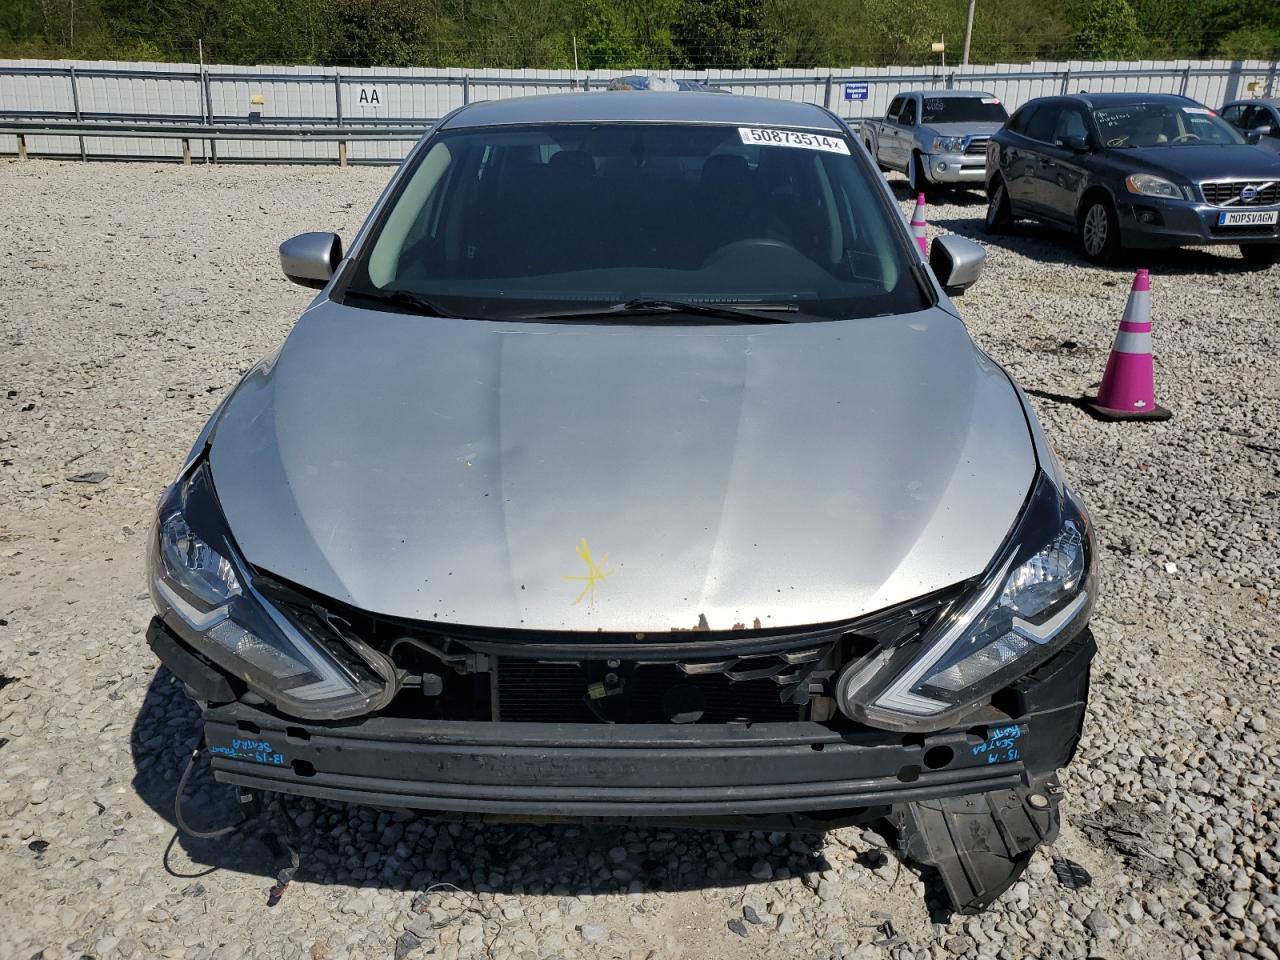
(309, 259)
(1074, 144)
(957, 263)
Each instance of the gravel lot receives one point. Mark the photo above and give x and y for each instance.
(131, 296)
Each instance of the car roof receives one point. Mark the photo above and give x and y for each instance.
(620, 106)
(945, 92)
(1252, 101)
(1116, 99)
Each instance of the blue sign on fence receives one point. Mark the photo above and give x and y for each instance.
(856, 91)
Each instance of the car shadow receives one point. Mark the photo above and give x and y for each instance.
(1048, 245)
(347, 845)
(970, 197)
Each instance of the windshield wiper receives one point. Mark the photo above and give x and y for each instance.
(410, 302)
(742, 313)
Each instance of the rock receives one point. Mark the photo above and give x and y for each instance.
(1237, 902)
(738, 927)
(828, 890)
(762, 870)
(592, 932)
(1102, 926)
(38, 792)
(750, 915)
(360, 904)
(406, 944)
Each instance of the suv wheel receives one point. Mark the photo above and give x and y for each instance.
(1260, 254)
(915, 176)
(1099, 231)
(999, 213)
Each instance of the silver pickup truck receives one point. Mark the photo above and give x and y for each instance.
(936, 137)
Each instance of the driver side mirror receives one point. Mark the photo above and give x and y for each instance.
(1074, 144)
(1257, 133)
(309, 259)
(957, 263)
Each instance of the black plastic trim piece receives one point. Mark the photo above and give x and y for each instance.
(204, 680)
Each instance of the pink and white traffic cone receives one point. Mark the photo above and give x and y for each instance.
(918, 224)
(1128, 390)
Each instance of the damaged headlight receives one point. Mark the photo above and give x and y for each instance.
(203, 590)
(1034, 598)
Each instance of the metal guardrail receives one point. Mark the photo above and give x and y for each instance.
(216, 127)
(188, 132)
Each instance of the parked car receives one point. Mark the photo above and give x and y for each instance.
(1134, 170)
(633, 463)
(642, 81)
(938, 138)
(1256, 119)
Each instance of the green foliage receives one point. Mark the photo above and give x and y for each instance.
(602, 37)
(1108, 30)
(714, 32)
(634, 34)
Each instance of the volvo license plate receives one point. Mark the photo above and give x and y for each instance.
(1247, 218)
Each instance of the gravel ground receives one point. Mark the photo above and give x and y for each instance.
(131, 296)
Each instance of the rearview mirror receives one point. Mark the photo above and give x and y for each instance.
(1074, 144)
(957, 263)
(309, 259)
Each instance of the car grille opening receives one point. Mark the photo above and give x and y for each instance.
(468, 673)
(1222, 192)
(532, 691)
(978, 145)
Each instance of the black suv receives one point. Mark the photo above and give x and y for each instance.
(1134, 170)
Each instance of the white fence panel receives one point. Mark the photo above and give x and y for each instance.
(274, 96)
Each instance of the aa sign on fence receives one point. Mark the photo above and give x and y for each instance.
(368, 97)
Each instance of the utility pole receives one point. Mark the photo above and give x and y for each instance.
(968, 34)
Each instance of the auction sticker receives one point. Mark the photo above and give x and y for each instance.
(767, 137)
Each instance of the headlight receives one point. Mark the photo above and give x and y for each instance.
(202, 589)
(1032, 601)
(948, 144)
(1152, 186)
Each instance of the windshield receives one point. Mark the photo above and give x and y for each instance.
(963, 110)
(521, 222)
(1162, 125)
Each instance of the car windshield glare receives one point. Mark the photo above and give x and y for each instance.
(1163, 125)
(963, 110)
(511, 222)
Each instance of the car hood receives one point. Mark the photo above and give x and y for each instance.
(1225, 162)
(961, 129)
(583, 477)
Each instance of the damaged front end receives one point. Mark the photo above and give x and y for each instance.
(749, 727)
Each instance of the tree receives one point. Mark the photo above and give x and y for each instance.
(720, 33)
(602, 36)
(1108, 30)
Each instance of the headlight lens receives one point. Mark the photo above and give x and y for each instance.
(1032, 602)
(204, 592)
(1149, 185)
(948, 144)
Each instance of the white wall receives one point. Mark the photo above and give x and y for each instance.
(167, 97)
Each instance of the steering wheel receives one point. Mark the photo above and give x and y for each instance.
(1184, 137)
(738, 247)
